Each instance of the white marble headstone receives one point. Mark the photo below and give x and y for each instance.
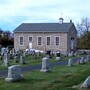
(5, 59)
(82, 60)
(58, 58)
(14, 73)
(45, 65)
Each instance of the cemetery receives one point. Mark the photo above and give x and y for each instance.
(70, 76)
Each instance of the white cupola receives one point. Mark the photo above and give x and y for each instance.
(61, 20)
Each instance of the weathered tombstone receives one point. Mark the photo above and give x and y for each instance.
(13, 51)
(14, 73)
(24, 54)
(5, 59)
(86, 83)
(16, 59)
(82, 60)
(11, 54)
(75, 54)
(70, 62)
(45, 65)
(18, 52)
(88, 58)
(71, 54)
(22, 60)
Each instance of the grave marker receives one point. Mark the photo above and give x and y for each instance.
(14, 73)
(45, 65)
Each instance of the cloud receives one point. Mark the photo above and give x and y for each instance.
(15, 12)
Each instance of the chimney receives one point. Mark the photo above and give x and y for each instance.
(70, 21)
(61, 20)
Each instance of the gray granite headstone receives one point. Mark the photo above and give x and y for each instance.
(45, 65)
(14, 73)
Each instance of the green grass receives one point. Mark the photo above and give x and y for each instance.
(60, 78)
(33, 60)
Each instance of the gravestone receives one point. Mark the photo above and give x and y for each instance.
(5, 59)
(70, 62)
(86, 83)
(14, 73)
(11, 54)
(45, 65)
(75, 54)
(71, 54)
(24, 53)
(16, 59)
(13, 51)
(88, 58)
(82, 60)
(22, 60)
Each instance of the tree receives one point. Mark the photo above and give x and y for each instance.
(6, 38)
(84, 31)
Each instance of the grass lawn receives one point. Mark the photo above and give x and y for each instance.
(60, 78)
(33, 60)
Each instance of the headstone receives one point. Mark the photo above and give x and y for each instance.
(70, 62)
(88, 58)
(11, 54)
(58, 58)
(86, 83)
(13, 51)
(71, 54)
(22, 60)
(75, 54)
(24, 53)
(82, 60)
(16, 59)
(14, 73)
(5, 59)
(18, 52)
(45, 65)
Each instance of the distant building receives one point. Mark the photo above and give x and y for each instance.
(46, 36)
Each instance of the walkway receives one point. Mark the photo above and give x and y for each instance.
(4, 73)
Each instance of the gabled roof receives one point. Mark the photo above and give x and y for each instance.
(44, 27)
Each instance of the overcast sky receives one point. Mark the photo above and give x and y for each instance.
(15, 12)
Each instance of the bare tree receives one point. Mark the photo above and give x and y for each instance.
(84, 32)
(84, 25)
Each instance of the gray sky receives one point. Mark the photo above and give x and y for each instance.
(15, 12)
